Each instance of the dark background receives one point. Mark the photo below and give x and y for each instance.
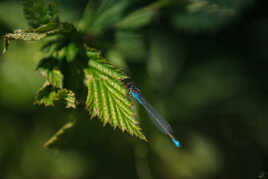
(205, 73)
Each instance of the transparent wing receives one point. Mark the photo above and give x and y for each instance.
(157, 119)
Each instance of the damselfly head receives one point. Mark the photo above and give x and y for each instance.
(131, 88)
(129, 85)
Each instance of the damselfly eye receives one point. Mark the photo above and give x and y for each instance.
(129, 85)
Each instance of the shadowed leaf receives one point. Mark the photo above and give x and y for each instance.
(143, 16)
(48, 95)
(50, 70)
(208, 14)
(38, 13)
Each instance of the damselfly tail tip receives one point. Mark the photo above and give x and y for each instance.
(176, 142)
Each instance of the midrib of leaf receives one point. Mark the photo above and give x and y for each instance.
(104, 94)
(102, 105)
(95, 91)
(113, 113)
(122, 121)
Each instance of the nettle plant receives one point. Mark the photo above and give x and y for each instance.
(78, 75)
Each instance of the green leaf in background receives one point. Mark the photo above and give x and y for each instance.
(136, 19)
(208, 14)
(107, 97)
(37, 13)
(101, 15)
(143, 16)
(125, 40)
(48, 95)
(47, 28)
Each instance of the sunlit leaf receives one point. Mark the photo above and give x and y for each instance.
(107, 97)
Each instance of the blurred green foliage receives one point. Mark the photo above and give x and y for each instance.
(202, 65)
(75, 74)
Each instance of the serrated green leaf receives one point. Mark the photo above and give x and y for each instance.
(49, 68)
(109, 70)
(56, 138)
(97, 63)
(48, 95)
(54, 77)
(38, 13)
(107, 97)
